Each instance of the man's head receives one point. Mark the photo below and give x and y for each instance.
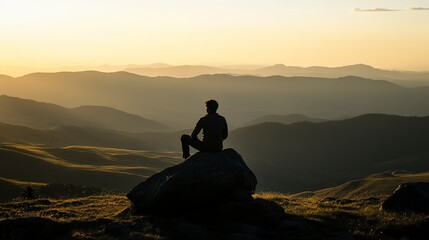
(212, 106)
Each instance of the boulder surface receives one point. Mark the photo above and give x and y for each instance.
(410, 196)
(203, 180)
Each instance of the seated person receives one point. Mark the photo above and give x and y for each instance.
(215, 130)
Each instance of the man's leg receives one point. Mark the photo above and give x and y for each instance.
(186, 141)
(189, 141)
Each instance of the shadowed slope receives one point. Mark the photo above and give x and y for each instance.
(306, 156)
(45, 115)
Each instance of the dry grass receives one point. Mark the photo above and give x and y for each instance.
(76, 209)
(359, 217)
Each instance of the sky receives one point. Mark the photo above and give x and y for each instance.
(390, 34)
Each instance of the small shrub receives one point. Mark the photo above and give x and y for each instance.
(28, 193)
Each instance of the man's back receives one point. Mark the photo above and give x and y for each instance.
(215, 130)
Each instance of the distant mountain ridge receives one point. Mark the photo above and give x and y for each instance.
(359, 70)
(285, 119)
(35, 114)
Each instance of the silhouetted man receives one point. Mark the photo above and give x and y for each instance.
(215, 130)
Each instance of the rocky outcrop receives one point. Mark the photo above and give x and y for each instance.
(410, 196)
(204, 180)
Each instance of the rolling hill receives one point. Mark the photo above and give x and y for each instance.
(375, 185)
(309, 156)
(179, 102)
(68, 135)
(107, 168)
(34, 114)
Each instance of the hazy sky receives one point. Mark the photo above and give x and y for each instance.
(52, 33)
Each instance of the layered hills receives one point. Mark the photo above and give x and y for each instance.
(285, 157)
(361, 70)
(180, 101)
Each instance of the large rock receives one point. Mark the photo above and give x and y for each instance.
(203, 180)
(258, 212)
(411, 196)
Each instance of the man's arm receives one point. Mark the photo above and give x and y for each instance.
(225, 130)
(197, 130)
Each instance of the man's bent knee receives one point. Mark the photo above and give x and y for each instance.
(185, 138)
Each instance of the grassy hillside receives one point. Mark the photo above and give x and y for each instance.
(34, 114)
(375, 185)
(108, 168)
(307, 218)
(309, 156)
(68, 135)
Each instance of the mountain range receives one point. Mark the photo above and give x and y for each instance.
(179, 102)
(408, 78)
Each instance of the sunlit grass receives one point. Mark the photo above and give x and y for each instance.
(359, 217)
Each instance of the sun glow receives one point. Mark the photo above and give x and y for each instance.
(47, 33)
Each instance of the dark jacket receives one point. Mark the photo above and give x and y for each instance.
(215, 130)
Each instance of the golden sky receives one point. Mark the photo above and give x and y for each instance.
(391, 34)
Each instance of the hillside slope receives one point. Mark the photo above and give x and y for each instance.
(34, 114)
(68, 135)
(375, 185)
(309, 156)
(107, 168)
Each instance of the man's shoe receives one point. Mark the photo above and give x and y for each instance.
(186, 155)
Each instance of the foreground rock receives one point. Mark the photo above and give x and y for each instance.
(411, 196)
(259, 212)
(204, 180)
